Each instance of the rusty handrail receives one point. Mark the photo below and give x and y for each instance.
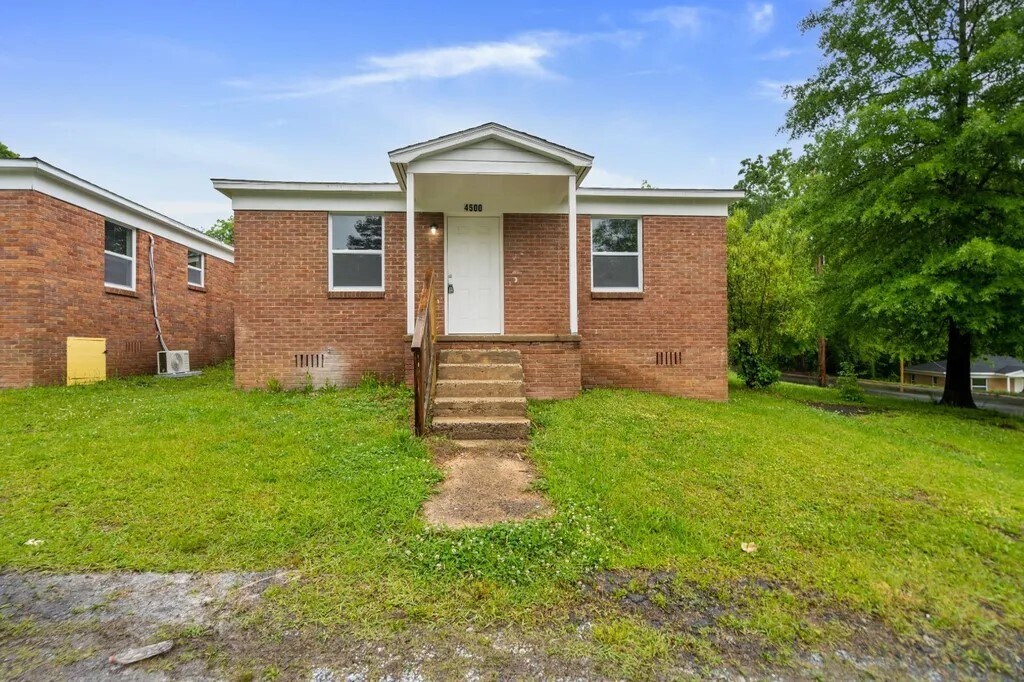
(424, 354)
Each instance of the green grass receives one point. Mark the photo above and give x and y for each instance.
(188, 474)
(914, 514)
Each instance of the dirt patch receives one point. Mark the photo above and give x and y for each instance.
(844, 644)
(847, 410)
(66, 627)
(485, 487)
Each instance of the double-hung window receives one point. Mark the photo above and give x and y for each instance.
(356, 253)
(979, 384)
(616, 254)
(119, 256)
(196, 268)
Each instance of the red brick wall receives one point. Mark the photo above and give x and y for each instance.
(285, 309)
(21, 290)
(682, 312)
(56, 284)
(536, 273)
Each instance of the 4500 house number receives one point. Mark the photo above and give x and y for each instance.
(474, 208)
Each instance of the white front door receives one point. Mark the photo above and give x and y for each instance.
(473, 277)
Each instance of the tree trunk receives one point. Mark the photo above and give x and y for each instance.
(957, 391)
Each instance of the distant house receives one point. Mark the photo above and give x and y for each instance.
(988, 373)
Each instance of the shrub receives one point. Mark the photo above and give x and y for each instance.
(847, 385)
(755, 370)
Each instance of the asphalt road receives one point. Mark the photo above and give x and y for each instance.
(1015, 408)
(979, 400)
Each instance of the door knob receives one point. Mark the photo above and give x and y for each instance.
(451, 288)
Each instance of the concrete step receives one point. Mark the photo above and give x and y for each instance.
(480, 406)
(486, 371)
(500, 448)
(480, 357)
(469, 388)
(482, 428)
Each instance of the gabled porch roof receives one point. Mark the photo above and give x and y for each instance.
(490, 148)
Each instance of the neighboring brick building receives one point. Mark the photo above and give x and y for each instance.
(74, 262)
(595, 287)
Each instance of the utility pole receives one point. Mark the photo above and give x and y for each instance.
(822, 359)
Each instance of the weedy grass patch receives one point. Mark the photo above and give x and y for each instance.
(906, 512)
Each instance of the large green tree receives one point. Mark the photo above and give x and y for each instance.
(223, 229)
(6, 153)
(917, 189)
(770, 284)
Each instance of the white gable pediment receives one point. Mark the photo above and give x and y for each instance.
(490, 156)
(489, 149)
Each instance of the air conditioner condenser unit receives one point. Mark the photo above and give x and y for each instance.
(172, 362)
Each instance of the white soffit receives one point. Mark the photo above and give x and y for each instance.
(35, 174)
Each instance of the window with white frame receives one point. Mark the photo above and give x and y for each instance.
(616, 254)
(357, 253)
(979, 384)
(119, 256)
(196, 268)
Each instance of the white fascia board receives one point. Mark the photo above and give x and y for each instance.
(727, 195)
(228, 187)
(37, 175)
(655, 202)
(340, 197)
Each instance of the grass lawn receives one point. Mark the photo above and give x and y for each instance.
(912, 515)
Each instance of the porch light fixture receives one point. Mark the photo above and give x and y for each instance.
(433, 228)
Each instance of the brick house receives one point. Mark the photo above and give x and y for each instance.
(75, 264)
(588, 286)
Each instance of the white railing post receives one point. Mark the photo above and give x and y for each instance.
(574, 324)
(410, 252)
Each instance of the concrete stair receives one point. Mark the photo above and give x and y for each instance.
(480, 396)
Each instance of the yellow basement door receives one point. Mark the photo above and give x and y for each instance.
(87, 360)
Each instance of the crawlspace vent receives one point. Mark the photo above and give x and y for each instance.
(668, 357)
(309, 360)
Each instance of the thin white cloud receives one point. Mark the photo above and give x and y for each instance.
(778, 54)
(523, 55)
(774, 89)
(684, 18)
(762, 17)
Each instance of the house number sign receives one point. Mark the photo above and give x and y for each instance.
(474, 208)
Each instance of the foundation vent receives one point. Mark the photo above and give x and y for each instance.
(132, 346)
(309, 360)
(668, 357)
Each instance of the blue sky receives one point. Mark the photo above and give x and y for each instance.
(151, 100)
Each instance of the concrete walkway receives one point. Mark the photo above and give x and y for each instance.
(480, 411)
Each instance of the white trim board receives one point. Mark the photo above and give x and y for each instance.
(37, 175)
(388, 197)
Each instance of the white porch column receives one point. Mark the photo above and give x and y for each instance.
(574, 322)
(410, 253)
